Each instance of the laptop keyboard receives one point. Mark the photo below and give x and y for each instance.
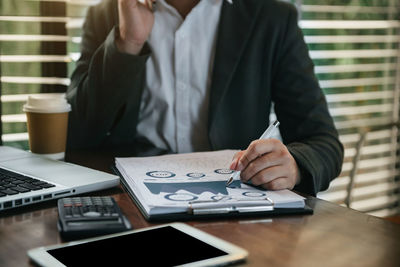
(12, 183)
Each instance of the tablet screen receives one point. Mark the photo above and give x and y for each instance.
(165, 246)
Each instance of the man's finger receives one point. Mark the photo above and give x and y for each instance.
(151, 4)
(278, 184)
(264, 162)
(235, 160)
(256, 149)
(265, 176)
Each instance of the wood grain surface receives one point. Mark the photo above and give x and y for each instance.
(332, 236)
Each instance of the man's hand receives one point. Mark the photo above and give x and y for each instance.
(267, 163)
(135, 23)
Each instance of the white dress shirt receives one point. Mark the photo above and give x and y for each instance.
(174, 106)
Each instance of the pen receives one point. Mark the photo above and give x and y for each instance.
(267, 134)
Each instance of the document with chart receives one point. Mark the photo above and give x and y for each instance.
(195, 183)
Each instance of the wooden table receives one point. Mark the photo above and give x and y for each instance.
(332, 236)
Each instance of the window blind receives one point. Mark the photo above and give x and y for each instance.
(39, 44)
(353, 43)
(355, 47)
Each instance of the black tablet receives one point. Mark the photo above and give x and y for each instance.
(174, 244)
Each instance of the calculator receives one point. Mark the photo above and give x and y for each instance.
(82, 217)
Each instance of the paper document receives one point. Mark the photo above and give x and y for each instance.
(196, 182)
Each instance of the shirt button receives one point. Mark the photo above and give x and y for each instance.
(181, 86)
(180, 35)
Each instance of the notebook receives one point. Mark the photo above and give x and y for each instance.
(181, 186)
(27, 178)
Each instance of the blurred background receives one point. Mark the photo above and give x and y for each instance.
(354, 45)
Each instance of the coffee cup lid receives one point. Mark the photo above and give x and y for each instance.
(47, 103)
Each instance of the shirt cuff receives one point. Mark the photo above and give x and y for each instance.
(307, 184)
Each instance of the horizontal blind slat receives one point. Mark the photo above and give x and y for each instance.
(373, 189)
(355, 68)
(360, 123)
(374, 135)
(15, 98)
(359, 109)
(346, 9)
(356, 82)
(35, 80)
(71, 2)
(14, 137)
(35, 58)
(34, 19)
(26, 37)
(376, 176)
(12, 118)
(371, 163)
(321, 39)
(360, 179)
(375, 203)
(349, 24)
(374, 95)
(361, 53)
(372, 149)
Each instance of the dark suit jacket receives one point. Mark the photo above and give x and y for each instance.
(261, 58)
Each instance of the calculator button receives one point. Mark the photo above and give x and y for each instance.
(87, 201)
(67, 200)
(91, 214)
(67, 211)
(75, 212)
(108, 202)
(106, 212)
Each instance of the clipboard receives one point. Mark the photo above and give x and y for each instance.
(233, 213)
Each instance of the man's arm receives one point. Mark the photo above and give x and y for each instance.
(312, 155)
(106, 85)
(307, 127)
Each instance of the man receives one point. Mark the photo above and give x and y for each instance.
(202, 75)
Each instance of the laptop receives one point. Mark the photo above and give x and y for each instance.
(27, 178)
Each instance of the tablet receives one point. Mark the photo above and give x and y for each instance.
(174, 244)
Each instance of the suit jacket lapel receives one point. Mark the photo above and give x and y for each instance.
(236, 23)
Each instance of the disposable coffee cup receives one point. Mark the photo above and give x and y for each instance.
(47, 121)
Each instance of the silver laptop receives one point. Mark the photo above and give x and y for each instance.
(26, 178)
